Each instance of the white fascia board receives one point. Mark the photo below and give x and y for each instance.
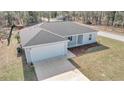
(66, 41)
(79, 34)
(90, 33)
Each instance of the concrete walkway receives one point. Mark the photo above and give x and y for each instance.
(111, 35)
(58, 68)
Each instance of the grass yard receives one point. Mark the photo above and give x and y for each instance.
(99, 64)
(13, 67)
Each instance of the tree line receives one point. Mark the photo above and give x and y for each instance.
(107, 18)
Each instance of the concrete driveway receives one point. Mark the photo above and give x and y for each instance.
(111, 35)
(58, 68)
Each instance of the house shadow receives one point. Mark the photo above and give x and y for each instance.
(89, 48)
(28, 69)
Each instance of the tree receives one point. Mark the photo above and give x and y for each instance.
(32, 17)
(8, 17)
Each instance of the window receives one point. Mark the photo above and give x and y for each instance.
(90, 36)
(70, 38)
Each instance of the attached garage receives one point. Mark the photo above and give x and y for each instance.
(48, 51)
(45, 45)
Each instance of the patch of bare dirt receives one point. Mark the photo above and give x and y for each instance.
(82, 49)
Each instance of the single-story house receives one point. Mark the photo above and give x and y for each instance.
(53, 39)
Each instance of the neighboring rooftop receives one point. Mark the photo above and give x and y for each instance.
(66, 28)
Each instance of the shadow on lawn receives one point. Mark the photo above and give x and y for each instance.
(97, 48)
(94, 47)
(28, 69)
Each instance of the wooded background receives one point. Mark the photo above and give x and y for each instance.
(107, 18)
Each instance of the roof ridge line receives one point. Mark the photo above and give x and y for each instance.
(32, 38)
(51, 32)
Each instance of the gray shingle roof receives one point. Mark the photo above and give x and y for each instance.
(36, 34)
(66, 28)
(43, 37)
(28, 33)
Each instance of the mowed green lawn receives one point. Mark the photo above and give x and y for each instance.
(103, 64)
(13, 67)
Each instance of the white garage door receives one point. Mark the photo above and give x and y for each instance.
(44, 52)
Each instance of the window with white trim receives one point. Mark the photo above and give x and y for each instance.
(90, 36)
(70, 38)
